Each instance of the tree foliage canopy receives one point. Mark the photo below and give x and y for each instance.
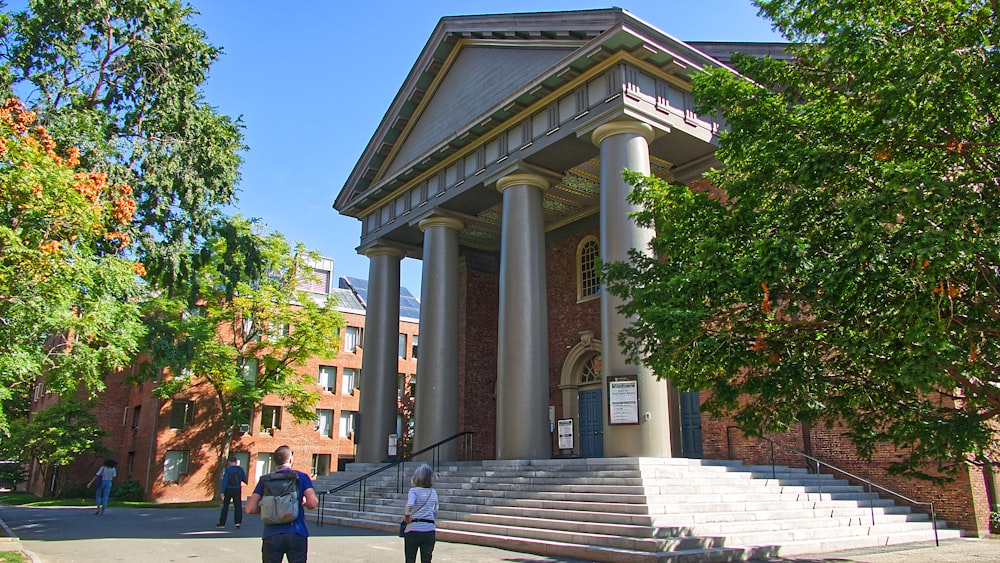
(68, 295)
(120, 80)
(850, 273)
(244, 328)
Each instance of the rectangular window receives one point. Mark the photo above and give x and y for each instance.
(328, 378)
(352, 339)
(136, 411)
(250, 369)
(402, 346)
(320, 465)
(413, 386)
(413, 354)
(400, 385)
(130, 463)
(324, 422)
(348, 381)
(347, 419)
(175, 464)
(278, 331)
(265, 464)
(181, 413)
(270, 418)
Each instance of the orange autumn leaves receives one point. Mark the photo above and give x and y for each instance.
(49, 206)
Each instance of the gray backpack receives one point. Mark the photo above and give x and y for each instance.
(279, 502)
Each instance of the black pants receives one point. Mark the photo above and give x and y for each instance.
(424, 541)
(275, 548)
(231, 495)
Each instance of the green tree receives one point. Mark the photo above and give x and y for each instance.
(68, 294)
(245, 328)
(120, 80)
(850, 273)
(55, 437)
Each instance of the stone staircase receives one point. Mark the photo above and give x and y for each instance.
(637, 509)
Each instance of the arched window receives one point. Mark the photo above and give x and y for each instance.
(588, 286)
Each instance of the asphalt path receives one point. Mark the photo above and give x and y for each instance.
(166, 535)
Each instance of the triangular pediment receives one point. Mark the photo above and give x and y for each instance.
(481, 76)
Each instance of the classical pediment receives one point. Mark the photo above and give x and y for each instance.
(483, 73)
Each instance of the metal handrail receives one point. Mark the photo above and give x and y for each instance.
(868, 482)
(399, 464)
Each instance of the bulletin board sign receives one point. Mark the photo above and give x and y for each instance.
(565, 427)
(623, 399)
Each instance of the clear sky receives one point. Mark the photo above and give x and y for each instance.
(313, 78)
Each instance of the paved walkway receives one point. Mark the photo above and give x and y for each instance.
(75, 535)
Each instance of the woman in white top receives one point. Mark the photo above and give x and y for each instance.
(106, 473)
(421, 511)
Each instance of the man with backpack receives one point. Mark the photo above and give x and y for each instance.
(279, 498)
(232, 491)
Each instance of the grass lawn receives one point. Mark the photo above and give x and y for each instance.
(16, 498)
(12, 557)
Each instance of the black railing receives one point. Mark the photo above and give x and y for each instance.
(868, 482)
(400, 465)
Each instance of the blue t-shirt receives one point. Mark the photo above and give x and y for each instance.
(298, 526)
(241, 477)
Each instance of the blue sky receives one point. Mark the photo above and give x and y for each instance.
(313, 78)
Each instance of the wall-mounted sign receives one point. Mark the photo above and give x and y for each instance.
(623, 399)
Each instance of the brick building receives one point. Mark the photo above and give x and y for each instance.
(171, 447)
(498, 165)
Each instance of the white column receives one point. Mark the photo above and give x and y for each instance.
(522, 355)
(380, 363)
(436, 405)
(625, 144)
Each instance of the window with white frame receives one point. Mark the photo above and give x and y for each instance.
(402, 345)
(324, 422)
(265, 463)
(413, 352)
(347, 419)
(278, 331)
(328, 378)
(352, 339)
(588, 281)
(175, 464)
(181, 413)
(270, 417)
(348, 381)
(250, 369)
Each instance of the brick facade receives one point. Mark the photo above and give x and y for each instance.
(141, 444)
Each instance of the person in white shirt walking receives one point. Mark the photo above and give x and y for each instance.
(421, 512)
(106, 474)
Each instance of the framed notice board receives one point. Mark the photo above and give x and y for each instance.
(623, 399)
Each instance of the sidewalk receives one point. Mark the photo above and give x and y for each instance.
(75, 535)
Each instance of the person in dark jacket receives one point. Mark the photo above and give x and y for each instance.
(232, 491)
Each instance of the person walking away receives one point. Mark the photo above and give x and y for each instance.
(420, 514)
(105, 475)
(232, 491)
(289, 540)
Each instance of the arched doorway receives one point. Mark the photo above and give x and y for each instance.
(582, 389)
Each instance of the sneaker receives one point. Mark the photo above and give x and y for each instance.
(237, 526)
(220, 525)
(98, 511)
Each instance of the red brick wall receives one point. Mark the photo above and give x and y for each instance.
(479, 297)
(567, 317)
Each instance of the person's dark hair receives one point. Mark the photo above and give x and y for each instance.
(282, 455)
(422, 477)
(233, 458)
(110, 463)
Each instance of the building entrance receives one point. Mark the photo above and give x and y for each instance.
(591, 423)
